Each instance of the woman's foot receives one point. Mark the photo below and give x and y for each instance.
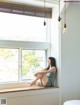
(32, 83)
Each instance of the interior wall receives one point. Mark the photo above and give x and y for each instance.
(35, 97)
(55, 44)
(70, 55)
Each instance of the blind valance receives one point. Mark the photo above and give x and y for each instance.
(25, 9)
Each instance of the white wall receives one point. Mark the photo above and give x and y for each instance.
(70, 55)
(36, 97)
(55, 42)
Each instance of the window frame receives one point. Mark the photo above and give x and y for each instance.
(28, 45)
(24, 46)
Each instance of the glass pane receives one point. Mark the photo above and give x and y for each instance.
(22, 28)
(32, 62)
(8, 65)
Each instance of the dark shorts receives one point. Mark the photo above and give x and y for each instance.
(49, 84)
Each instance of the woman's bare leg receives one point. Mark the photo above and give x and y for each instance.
(44, 80)
(39, 76)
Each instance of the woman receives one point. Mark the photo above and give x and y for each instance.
(47, 76)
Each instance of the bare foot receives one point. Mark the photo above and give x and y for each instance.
(29, 84)
(32, 83)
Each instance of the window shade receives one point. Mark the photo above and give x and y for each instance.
(25, 9)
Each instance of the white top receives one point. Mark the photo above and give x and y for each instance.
(72, 102)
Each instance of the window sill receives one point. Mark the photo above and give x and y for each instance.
(20, 89)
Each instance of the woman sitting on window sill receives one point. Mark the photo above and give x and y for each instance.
(47, 76)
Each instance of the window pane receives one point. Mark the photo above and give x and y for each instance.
(22, 28)
(32, 62)
(8, 65)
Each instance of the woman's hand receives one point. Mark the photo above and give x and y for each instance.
(36, 74)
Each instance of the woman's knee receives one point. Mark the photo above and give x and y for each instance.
(39, 76)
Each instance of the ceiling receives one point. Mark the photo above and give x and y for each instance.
(25, 1)
(34, 2)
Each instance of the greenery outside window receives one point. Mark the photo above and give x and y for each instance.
(8, 65)
(32, 62)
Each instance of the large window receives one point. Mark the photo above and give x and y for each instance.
(32, 61)
(24, 46)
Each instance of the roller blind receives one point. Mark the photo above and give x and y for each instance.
(25, 9)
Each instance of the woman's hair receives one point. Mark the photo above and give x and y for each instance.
(53, 62)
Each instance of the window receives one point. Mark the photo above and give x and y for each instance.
(32, 62)
(22, 28)
(24, 46)
(8, 65)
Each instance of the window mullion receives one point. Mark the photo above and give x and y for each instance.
(20, 66)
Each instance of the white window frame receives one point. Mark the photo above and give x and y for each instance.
(28, 45)
(21, 45)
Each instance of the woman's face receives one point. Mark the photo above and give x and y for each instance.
(49, 62)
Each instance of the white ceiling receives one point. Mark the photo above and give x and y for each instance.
(34, 2)
(25, 1)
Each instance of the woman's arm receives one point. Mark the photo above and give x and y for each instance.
(53, 69)
(44, 69)
(42, 72)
